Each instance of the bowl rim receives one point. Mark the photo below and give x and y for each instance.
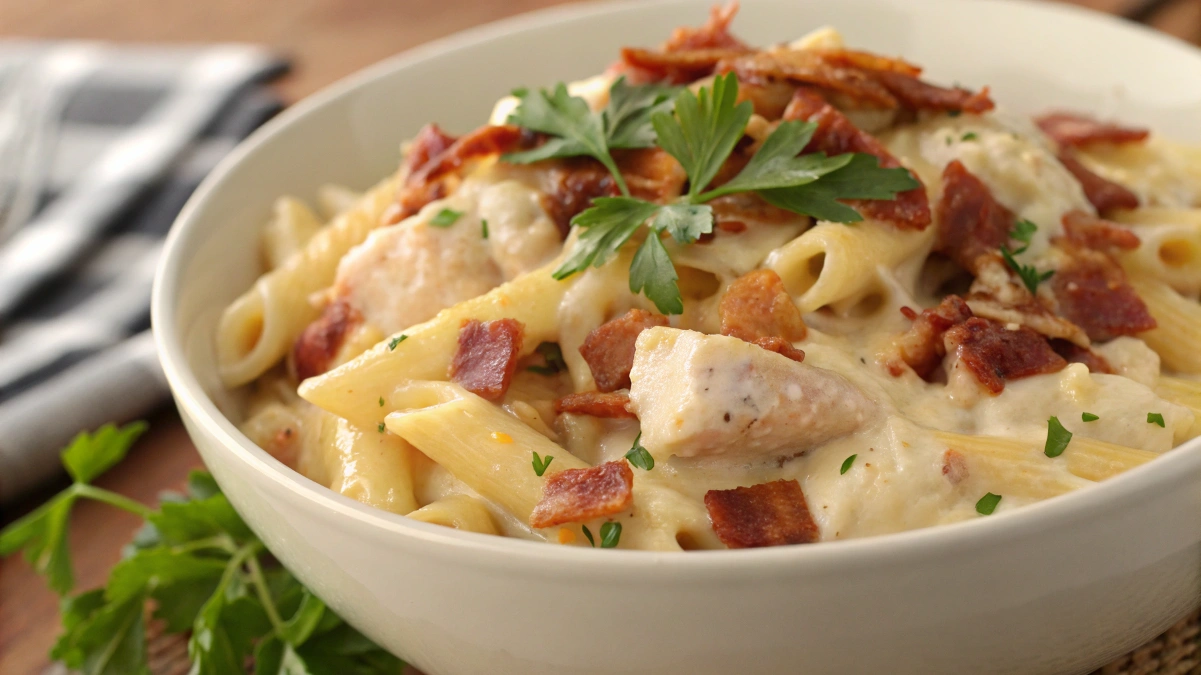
(1176, 466)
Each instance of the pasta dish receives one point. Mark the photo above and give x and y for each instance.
(722, 296)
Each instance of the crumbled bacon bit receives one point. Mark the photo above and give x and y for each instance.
(971, 222)
(993, 353)
(954, 466)
(1089, 231)
(916, 94)
(570, 185)
(487, 356)
(1030, 312)
(609, 348)
(921, 347)
(609, 405)
(768, 514)
(757, 306)
(780, 346)
(714, 34)
(835, 135)
(1074, 353)
(1093, 293)
(682, 57)
(870, 61)
(429, 182)
(430, 142)
(578, 495)
(1105, 195)
(318, 344)
(1076, 130)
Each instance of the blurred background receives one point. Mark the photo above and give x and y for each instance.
(111, 112)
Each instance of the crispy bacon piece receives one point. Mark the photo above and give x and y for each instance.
(993, 353)
(971, 222)
(1076, 130)
(954, 466)
(685, 56)
(430, 142)
(1089, 231)
(780, 346)
(921, 347)
(1105, 195)
(651, 173)
(1030, 312)
(609, 348)
(916, 94)
(577, 495)
(870, 61)
(429, 182)
(1093, 293)
(1074, 353)
(768, 514)
(714, 34)
(487, 356)
(570, 185)
(835, 135)
(610, 405)
(318, 344)
(757, 306)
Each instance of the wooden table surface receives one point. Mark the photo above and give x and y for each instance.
(326, 39)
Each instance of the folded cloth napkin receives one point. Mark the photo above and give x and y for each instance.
(100, 146)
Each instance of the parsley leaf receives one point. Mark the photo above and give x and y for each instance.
(988, 504)
(396, 340)
(1057, 438)
(969, 136)
(608, 224)
(1029, 275)
(640, 456)
(1089, 417)
(446, 218)
(704, 129)
(577, 130)
(684, 222)
(846, 464)
(610, 535)
(88, 456)
(627, 118)
(652, 271)
(861, 178)
(1023, 231)
(484, 228)
(1156, 418)
(777, 164)
(588, 535)
(540, 464)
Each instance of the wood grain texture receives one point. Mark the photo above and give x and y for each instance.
(326, 40)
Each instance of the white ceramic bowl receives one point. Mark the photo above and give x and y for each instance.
(1059, 587)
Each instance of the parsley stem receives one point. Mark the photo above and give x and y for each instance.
(260, 588)
(621, 181)
(113, 499)
(221, 541)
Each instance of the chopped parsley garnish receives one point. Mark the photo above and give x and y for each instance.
(1156, 418)
(846, 464)
(541, 463)
(969, 136)
(381, 401)
(381, 427)
(396, 340)
(610, 535)
(1057, 438)
(700, 131)
(639, 456)
(988, 504)
(588, 535)
(1089, 417)
(484, 228)
(446, 218)
(554, 359)
(1023, 231)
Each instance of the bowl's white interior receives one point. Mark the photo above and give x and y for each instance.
(1034, 56)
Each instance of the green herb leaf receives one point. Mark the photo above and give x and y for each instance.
(1057, 438)
(610, 535)
(1089, 417)
(1029, 275)
(381, 428)
(777, 164)
(554, 359)
(1156, 418)
(969, 136)
(1023, 231)
(446, 218)
(861, 178)
(704, 129)
(90, 455)
(304, 622)
(484, 228)
(540, 464)
(652, 272)
(684, 222)
(396, 340)
(588, 535)
(846, 464)
(157, 568)
(627, 118)
(607, 225)
(988, 504)
(639, 456)
(109, 640)
(579, 131)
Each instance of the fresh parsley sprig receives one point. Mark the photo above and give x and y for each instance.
(202, 569)
(699, 130)
(1023, 231)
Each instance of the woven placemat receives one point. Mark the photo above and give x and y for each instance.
(1173, 653)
